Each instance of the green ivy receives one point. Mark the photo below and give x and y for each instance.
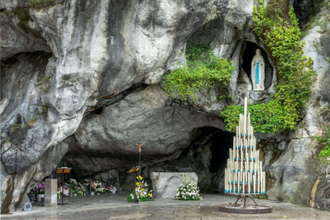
(325, 139)
(295, 75)
(40, 3)
(204, 70)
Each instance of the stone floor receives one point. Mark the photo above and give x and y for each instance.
(114, 206)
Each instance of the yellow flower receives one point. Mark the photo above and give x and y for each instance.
(142, 189)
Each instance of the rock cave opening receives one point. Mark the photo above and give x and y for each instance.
(207, 155)
(248, 52)
(217, 141)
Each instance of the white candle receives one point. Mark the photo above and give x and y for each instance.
(246, 144)
(243, 178)
(260, 176)
(249, 123)
(234, 150)
(235, 179)
(226, 181)
(247, 164)
(239, 182)
(249, 179)
(240, 124)
(231, 180)
(264, 182)
(254, 184)
(245, 110)
(234, 142)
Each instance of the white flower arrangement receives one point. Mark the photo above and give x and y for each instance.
(187, 191)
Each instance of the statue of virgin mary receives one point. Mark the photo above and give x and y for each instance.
(258, 71)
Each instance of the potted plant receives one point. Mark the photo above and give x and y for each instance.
(187, 190)
(59, 192)
(113, 189)
(41, 192)
(93, 188)
(141, 192)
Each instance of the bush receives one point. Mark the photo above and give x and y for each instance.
(203, 70)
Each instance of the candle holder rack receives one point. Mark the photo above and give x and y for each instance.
(244, 177)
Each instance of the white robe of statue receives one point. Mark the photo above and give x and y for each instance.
(258, 71)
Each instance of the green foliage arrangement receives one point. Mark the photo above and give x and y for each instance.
(204, 70)
(325, 140)
(295, 75)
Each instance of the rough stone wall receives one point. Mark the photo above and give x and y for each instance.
(98, 50)
(89, 73)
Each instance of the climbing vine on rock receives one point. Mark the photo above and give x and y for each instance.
(324, 140)
(204, 70)
(295, 75)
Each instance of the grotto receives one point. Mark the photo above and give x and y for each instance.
(82, 82)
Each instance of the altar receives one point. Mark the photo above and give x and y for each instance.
(165, 183)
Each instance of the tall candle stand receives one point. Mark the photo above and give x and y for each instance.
(244, 177)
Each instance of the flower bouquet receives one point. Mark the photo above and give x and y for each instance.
(187, 190)
(141, 192)
(113, 189)
(41, 192)
(41, 188)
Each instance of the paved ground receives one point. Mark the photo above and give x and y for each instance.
(115, 207)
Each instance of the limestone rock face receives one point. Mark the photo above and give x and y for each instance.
(108, 140)
(18, 36)
(4, 4)
(89, 73)
(14, 187)
(98, 50)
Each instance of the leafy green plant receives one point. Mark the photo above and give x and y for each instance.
(40, 3)
(295, 75)
(16, 127)
(324, 140)
(31, 122)
(203, 70)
